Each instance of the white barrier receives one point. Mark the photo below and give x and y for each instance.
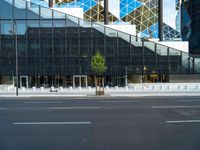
(165, 87)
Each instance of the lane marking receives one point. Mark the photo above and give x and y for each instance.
(74, 107)
(3, 108)
(51, 123)
(43, 102)
(169, 107)
(184, 121)
(118, 101)
(194, 100)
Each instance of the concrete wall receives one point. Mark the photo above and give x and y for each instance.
(184, 78)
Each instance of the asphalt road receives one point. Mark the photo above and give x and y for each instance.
(148, 123)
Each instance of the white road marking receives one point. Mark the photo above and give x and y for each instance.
(74, 107)
(51, 123)
(117, 101)
(184, 121)
(194, 100)
(169, 107)
(3, 108)
(43, 102)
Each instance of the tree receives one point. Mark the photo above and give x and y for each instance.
(98, 66)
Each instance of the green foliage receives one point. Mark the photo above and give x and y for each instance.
(97, 63)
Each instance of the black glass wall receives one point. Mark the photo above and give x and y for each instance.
(52, 47)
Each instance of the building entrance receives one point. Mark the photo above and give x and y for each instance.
(24, 81)
(80, 81)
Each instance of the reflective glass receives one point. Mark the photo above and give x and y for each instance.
(20, 9)
(6, 10)
(32, 11)
(45, 13)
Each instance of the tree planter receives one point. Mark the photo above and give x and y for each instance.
(98, 66)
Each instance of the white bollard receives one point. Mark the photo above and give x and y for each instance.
(42, 88)
(186, 88)
(179, 87)
(33, 88)
(126, 87)
(89, 88)
(70, 88)
(133, 87)
(116, 88)
(61, 88)
(23, 88)
(79, 88)
(107, 88)
(153, 87)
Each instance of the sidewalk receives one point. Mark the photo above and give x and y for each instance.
(85, 92)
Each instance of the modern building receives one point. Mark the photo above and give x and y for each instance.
(189, 10)
(55, 48)
(141, 13)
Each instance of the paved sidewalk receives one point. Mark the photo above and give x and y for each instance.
(112, 92)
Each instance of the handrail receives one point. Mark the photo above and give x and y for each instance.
(142, 39)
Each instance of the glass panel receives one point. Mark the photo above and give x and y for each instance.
(124, 36)
(111, 42)
(162, 59)
(20, 9)
(5, 27)
(58, 15)
(21, 28)
(185, 62)
(6, 10)
(59, 37)
(149, 58)
(197, 65)
(32, 11)
(72, 27)
(85, 39)
(46, 13)
(33, 29)
(174, 61)
(7, 48)
(46, 37)
(98, 30)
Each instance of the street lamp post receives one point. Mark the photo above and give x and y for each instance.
(13, 31)
(126, 80)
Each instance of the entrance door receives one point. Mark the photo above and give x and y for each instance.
(80, 81)
(24, 81)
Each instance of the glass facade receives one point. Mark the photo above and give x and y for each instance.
(142, 13)
(55, 49)
(190, 23)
